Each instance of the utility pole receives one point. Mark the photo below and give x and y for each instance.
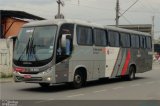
(117, 13)
(59, 15)
(59, 8)
(153, 18)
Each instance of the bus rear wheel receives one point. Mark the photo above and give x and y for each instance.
(131, 75)
(78, 80)
(44, 85)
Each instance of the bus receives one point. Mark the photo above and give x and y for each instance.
(75, 52)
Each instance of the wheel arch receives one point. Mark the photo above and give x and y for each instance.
(84, 70)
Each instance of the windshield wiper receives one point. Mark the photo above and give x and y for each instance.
(26, 49)
(32, 51)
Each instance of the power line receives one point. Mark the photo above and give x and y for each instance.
(129, 8)
(118, 15)
(126, 19)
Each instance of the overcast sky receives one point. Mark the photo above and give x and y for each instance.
(99, 11)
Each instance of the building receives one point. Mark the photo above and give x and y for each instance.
(12, 21)
(147, 28)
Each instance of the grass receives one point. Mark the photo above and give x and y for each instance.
(3, 75)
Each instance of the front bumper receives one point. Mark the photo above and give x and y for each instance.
(43, 77)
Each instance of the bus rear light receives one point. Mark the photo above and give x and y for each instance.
(19, 69)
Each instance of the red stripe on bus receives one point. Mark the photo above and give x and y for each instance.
(124, 69)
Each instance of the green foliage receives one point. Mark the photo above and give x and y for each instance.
(3, 75)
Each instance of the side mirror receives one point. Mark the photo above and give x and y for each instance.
(64, 40)
(66, 43)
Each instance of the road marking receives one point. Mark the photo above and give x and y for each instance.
(42, 101)
(135, 85)
(117, 88)
(70, 96)
(151, 82)
(50, 99)
(99, 91)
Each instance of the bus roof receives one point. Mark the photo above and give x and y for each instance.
(80, 22)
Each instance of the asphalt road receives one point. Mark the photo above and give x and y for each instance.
(145, 87)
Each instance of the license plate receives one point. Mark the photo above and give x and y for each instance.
(27, 76)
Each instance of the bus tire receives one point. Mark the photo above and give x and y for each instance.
(132, 72)
(78, 80)
(44, 85)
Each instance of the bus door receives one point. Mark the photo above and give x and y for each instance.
(63, 52)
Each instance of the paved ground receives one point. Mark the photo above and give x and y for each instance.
(145, 87)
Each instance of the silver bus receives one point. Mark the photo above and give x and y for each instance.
(72, 51)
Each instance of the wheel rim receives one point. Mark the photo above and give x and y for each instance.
(78, 79)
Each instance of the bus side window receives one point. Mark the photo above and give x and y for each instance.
(100, 38)
(84, 35)
(144, 42)
(149, 42)
(135, 41)
(141, 42)
(125, 40)
(113, 39)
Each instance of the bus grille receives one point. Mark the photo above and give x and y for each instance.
(29, 79)
(29, 72)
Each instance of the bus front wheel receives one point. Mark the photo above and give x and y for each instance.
(78, 80)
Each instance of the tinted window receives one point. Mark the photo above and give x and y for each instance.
(142, 42)
(100, 37)
(125, 40)
(66, 29)
(135, 41)
(149, 42)
(113, 38)
(84, 35)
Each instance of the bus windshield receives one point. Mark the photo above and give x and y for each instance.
(35, 43)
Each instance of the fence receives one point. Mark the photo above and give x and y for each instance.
(6, 54)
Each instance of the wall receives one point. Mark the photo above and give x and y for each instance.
(6, 54)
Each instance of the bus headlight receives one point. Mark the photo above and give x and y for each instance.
(48, 78)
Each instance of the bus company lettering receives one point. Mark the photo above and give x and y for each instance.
(107, 51)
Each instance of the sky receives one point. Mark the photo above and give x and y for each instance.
(97, 11)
